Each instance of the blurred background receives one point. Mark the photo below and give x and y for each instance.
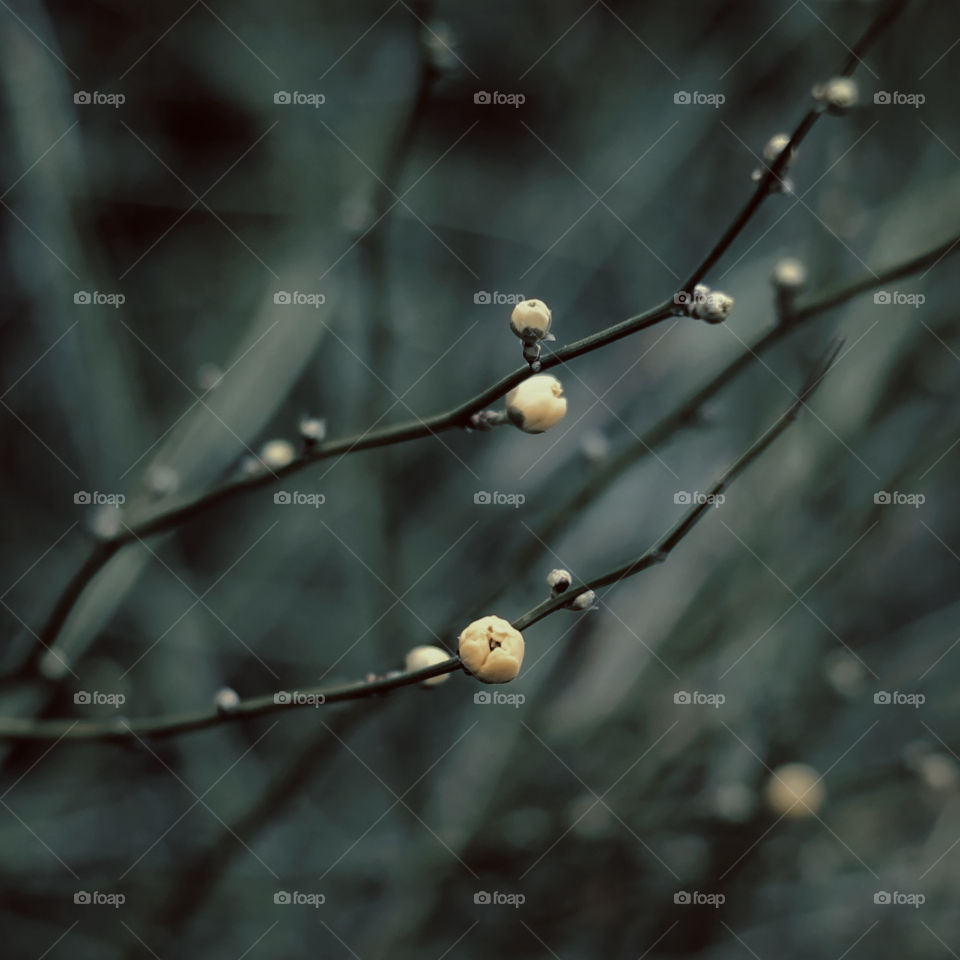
(216, 219)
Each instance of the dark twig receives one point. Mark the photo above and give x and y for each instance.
(121, 728)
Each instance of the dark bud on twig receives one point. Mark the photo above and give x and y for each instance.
(558, 581)
(531, 353)
(486, 419)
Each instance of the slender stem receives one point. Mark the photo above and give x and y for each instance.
(772, 174)
(662, 549)
(122, 729)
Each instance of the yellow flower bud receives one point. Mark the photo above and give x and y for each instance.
(795, 790)
(426, 656)
(277, 453)
(558, 581)
(491, 650)
(789, 274)
(530, 320)
(775, 146)
(839, 94)
(537, 404)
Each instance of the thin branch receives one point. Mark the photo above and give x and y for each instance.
(887, 14)
(685, 414)
(662, 549)
(121, 728)
(169, 517)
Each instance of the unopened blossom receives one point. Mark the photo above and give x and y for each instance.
(536, 404)
(427, 656)
(491, 649)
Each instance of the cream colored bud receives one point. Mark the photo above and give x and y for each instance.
(585, 601)
(277, 453)
(226, 700)
(491, 650)
(558, 581)
(537, 403)
(789, 274)
(775, 146)
(530, 320)
(839, 94)
(420, 657)
(795, 790)
(714, 307)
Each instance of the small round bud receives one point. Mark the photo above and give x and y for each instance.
(420, 657)
(226, 700)
(585, 601)
(795, 790)
(530, 320)
(594, 446)
(277, 453)
(558, 581)
(105, 521)
(838, 94)
(313, 430)
(775, 146)
(714, 307)
(789, 274)
(162, 480)
(491, 649)
(536, 404)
